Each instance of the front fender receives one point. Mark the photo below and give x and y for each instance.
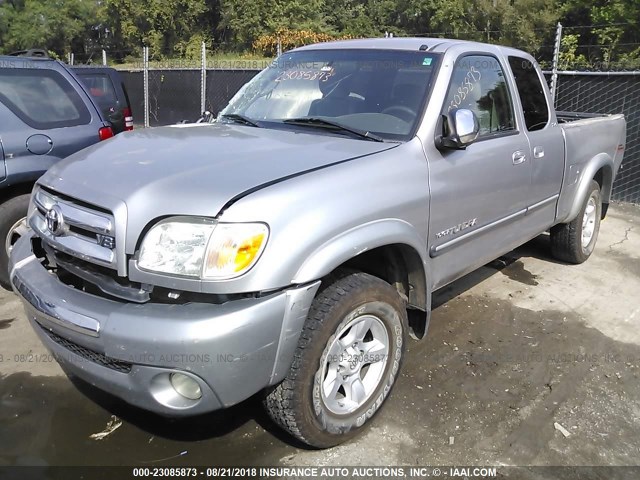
(358, 240)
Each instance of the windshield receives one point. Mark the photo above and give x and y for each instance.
(377, 91)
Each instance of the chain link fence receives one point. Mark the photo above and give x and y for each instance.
(173, 93)
(609, 92)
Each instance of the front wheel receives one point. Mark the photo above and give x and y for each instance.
(346, 362)
(13, 224)
(575, 241)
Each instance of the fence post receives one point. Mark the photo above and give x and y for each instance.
(556, 59)
(104, 57)
(279, 52)
(145, 76)
(203, 78)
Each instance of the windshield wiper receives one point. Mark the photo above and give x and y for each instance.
(239, 118)
(330, 124)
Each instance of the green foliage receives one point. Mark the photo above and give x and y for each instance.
(569, 59)
(178, 27)
(158, 24)
(353, 17)
(56, 25)
(192, 49)
(244, 23)
(613, 41)
(614, 14)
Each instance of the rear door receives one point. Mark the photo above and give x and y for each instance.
(45, 116)
(478, 195)
(546, 142)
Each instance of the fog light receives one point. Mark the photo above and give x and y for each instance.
(186, 386)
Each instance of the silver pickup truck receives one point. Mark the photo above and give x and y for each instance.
(292, 246)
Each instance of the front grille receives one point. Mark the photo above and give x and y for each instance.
(83, 231)
(94, 279)
(95, 357)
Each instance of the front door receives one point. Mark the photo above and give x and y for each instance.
(478, 194)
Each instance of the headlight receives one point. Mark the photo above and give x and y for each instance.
(202, 248)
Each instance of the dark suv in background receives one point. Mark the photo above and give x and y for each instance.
(107, 88)
(46, 114)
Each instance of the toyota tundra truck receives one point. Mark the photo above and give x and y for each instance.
(291, 247)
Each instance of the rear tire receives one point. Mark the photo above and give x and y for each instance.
(346, 362)
(575, 241)
(13, 214)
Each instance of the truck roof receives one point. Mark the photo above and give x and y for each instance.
(23, 58)
(437, 45)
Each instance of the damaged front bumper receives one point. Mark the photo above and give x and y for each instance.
(232, 350)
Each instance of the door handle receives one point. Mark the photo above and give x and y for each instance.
(538, 152)
(518, 157)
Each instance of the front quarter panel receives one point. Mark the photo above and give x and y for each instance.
(321, 219)
(358, 240)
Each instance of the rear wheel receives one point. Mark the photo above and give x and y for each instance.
(574, 242)
(13, 224)
(346, 363)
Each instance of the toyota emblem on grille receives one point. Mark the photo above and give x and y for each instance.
(55, 221)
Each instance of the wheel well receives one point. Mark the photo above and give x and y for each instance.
(598, 177)
(400, 266)
(15, 190)
(604, 179)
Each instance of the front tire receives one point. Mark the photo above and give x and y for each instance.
(575, 241)
(13, 224)
(347, 360)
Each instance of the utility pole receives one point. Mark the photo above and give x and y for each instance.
(203, 78)
(556, 59)
(145, 66)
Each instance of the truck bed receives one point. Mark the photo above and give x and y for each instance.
(586, 136)
(566, 117)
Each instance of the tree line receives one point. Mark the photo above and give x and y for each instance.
(603, 31)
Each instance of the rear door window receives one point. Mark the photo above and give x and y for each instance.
(100, 87)
(43, 99)
(531, 91)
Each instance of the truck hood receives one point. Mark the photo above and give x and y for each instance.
(194, 169)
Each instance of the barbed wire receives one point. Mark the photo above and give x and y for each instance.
(470, 32)
(602, 25)
(550, 29)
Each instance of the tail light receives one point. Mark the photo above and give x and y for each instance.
(105, 132)
(128, 119)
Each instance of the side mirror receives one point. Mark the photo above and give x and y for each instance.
(460, 129)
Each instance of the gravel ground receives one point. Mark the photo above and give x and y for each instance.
(514, 348)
